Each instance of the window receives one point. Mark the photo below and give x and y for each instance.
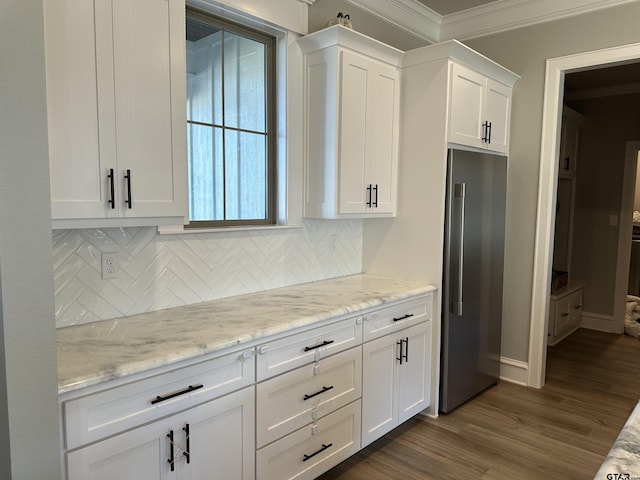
(230, 123)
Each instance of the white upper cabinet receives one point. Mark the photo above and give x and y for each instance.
(116, 111)
(352, 98)
(479, 110)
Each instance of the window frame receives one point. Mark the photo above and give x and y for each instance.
(271, 45)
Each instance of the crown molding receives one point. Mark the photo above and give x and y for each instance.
(504, 15)
(499, 16)
(408, 15)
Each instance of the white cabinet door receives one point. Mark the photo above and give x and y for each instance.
(369, 99)
(395, 380)
(382, 123)
(140, 454)
(414, 383)
(150, 117)
(220, 439)
(116, 108)
(479, 110)
(379, 387)
(498, 113)
(80, 157)
(568, 147)
(465, 107)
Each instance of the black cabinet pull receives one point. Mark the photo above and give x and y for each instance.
(128, 201)
(112, 199)
(489, 133)
(404, 317)
(369, 188)
(375, 189)
(324, 389)
(400, 343)
(566, 314)
(187, 452)
(567, 159)
(171, 459)
(326, 342)
(322, 449)
(189, 389)
(406, 349)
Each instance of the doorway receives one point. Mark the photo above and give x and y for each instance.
(556, 70)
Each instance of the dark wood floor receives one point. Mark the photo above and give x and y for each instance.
(562, 431)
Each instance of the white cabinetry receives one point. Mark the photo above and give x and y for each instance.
(214, 437)
(396, 381)
(479, 110)
(352, 98)
(116, 111)
(202, 416)
(308, 406)
(565, 312)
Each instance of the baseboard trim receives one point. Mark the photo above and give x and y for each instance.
(514, 371)
(596, 321)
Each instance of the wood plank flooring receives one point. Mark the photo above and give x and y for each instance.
(562, 431)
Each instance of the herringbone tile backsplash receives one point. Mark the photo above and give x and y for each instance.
(162, 271)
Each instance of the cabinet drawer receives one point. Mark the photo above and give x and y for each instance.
(314, 449)
(289, 401)
(97, 415)
(391, 319)
(303, 348)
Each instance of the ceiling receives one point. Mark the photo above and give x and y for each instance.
(446, 7)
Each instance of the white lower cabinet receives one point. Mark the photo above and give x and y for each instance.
(395, 379)
(314, 449)
(215, 438)
(290, 407)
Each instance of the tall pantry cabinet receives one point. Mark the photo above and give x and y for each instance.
(448, 92)
(116, 111)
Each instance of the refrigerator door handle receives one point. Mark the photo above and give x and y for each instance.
(460, 190)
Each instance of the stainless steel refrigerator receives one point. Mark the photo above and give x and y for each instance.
(473, 275)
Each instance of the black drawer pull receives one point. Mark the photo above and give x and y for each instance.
(566, 314)
(324, 389)
(326, 342)
(324, 447)
(404, 317)
(189, 389)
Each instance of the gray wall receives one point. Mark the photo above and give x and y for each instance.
(29, 438)
(524, 51)
(610, 122)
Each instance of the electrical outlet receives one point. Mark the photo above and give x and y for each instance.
(333, 240)
(109, 265)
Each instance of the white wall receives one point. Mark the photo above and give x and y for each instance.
(525, 51)
(29, 441)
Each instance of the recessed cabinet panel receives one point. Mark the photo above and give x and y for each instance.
(498, 111)
(356, 79)
(467, 94)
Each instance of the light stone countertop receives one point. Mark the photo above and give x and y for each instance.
(109, 349)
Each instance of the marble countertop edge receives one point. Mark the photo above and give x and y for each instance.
(108, 350)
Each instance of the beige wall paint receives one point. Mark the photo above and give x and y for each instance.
(525, 51)
(609, 123)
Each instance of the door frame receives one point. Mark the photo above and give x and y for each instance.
(556, 68)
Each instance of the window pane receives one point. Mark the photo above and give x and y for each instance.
(244, 87)
(204, 73)
(206, 173)
(246, 161)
